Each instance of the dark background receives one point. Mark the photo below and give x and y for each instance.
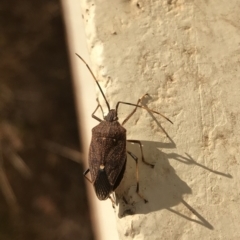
(42, 194)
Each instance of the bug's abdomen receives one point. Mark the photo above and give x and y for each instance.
(107, 157)
(102, 185)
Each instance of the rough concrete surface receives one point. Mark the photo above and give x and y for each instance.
(186, 55)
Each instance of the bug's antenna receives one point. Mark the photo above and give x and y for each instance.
(140, 106)
(95, 80)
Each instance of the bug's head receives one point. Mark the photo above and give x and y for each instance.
(112, 116)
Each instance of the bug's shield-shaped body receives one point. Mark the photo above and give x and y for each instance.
(107, 157)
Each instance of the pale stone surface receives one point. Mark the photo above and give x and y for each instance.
(186, 55)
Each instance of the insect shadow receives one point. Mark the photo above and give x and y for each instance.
(163, 186)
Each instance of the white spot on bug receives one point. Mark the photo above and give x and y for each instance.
(102, 167)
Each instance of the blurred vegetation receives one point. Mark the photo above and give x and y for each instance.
(42, 193)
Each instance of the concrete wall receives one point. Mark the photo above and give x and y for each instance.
(186, 55)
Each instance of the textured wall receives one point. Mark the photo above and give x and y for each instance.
(186, 55)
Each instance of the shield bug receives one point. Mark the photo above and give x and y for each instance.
(108, 154)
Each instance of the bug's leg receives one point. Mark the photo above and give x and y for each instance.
(125, 200)
(100, 107)
(94, 116)
(139, 106)
(143, 159)
(113, 203)
(85, 173)
(134, 110)
(137, 176)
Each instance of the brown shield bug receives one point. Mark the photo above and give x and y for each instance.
(108, 154)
